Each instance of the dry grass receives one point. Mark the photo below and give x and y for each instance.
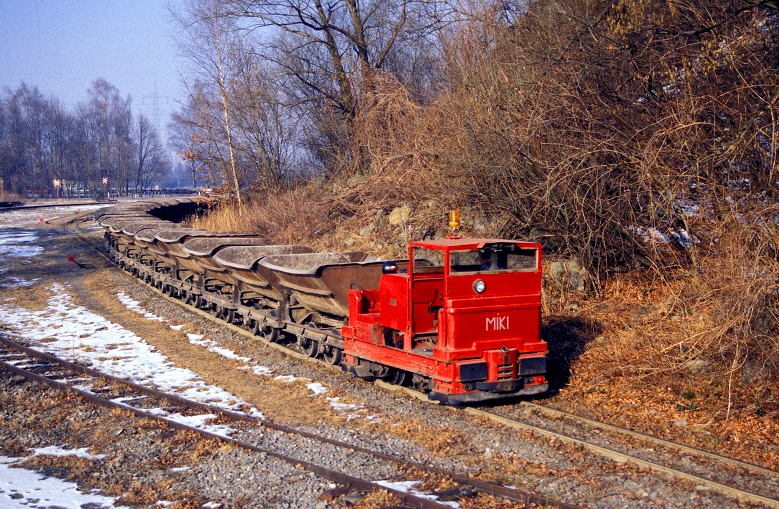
(34, 297)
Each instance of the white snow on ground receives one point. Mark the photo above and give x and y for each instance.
(407, 487)
(56, 450)
(17, 281)
(317, 388)
(213, 346)
(16, 243)
(22, 489)
(74, 332)
(349, 410)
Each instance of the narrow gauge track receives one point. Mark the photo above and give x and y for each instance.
(744, 481)
(715, 472)
(140, 400)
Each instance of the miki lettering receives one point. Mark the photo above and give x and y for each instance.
(498, 323)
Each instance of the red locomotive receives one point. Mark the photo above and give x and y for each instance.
(464, 318)
(459, 319)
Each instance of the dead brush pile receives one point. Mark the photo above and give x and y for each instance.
(691, 353)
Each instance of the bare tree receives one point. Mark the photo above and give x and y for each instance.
(152, 162)
(334, 50)
(209, 45)
(106, 121)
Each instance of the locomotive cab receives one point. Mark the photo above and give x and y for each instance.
(466, 313)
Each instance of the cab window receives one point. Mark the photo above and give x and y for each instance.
(428, 261)
(494, 259)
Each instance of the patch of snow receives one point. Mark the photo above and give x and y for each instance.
(134, 305)
(342, 407)
(199, 421)
(21, 488)
(259, 370)
(213, 346)
(108, 347)
(317, 388)
(407, 487)
(56, 450)
(17, 282)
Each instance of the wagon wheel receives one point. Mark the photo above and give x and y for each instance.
(332, 355)
(267, 332)
(421, 383)
(310, 347)
(228, 315)
(272, 334)
(216, 310)
(396, 376)
(255, 327)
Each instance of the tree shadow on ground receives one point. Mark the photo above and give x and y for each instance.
(567, 337)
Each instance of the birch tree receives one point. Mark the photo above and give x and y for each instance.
(209, 47)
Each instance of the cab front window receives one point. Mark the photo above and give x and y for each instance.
(496, 258)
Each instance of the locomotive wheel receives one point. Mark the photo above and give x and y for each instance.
(332, 355)
(421, 383)
(310, 347)
(396, 376)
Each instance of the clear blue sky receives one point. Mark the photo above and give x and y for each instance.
(62, 46)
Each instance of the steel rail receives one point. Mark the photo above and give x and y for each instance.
(483, 486)
(335, 476)
(743, 495)
(652, 439)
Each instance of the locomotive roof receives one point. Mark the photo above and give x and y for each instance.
(467, 242)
